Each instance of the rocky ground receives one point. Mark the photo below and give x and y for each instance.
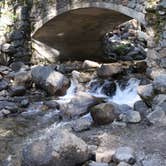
(43, 122)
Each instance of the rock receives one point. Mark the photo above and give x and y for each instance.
(131, 117)
(3, 85)
(7, 48)
(9, 106)
(104, 157)
(78, 105)
(140, 67)
(90, 64)
(109, 88)
(104, 113)
(159, 83)
(23, 78)
(17, 91)
(97, 164)
(53, 104)
(141, 107)
(157, 117)
(124, 108)
(81, 124)
(60, 148)
(108, 70)
(5, 111)
(123, 164)
(52, 81)
(146, 92)
(159, 102)
(24, 103)
(17, 66)
(82, 77)
(124, 154)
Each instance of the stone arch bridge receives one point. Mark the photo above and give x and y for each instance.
(43, 25)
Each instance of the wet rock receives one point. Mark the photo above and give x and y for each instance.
(146, 92)
(124, 154)
(17, 91)
(109, 88)
(108, 70)
(5, 112)
(53, 104)
(141, 107)
(104, 113)
(23, 78)
(81, 124)
(3, 85)
(90, 64)
(140, 67)
(159, 83)
(78, 105)
(61, 148)
(157, 117)
(131, 117)
(52, 81)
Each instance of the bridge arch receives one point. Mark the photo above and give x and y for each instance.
(54, 11)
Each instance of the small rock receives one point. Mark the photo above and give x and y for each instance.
(5, 111)
(124, 154)
(97, 164)
(104, 113)
(16, 66)
(81, 124)
(24, 103)
(108, 70)
(104, 157)
(53, 104)
(123, 164)
(18, 91)
(90, 64)
(159, 102)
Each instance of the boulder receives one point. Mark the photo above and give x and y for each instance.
(146, 92)
(90, 64)
(52, 81)
(23, 78)
(109, 70)
(104, 113)
(60, 148)
(124, 154)
(131, 117)
(140, 107)
(157, 117)
(78, 105)
(159, 83)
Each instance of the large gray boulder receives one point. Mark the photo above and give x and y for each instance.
(78, 105)
(61, 148)
(52, 81)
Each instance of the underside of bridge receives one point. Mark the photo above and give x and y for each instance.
(77, 34)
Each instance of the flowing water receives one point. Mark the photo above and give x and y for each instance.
(17, 131)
